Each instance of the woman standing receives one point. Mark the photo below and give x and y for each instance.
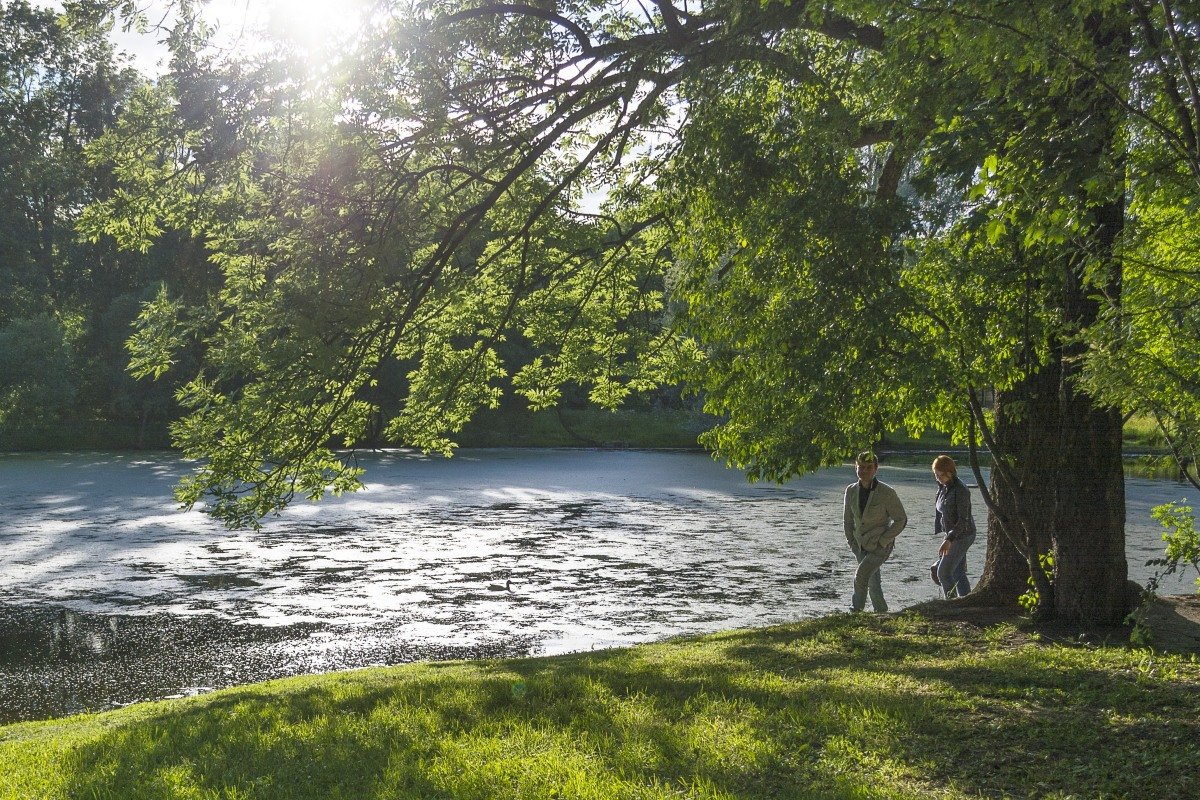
(952, 519)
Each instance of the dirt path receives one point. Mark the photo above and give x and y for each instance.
(1173, 620)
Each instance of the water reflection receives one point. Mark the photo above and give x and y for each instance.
(62, 662)
(72, 638)
(109, 595)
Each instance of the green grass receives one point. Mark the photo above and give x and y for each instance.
(517, 427)
(514, 426)
(842, 707)
(1141, 433)
(83, 434)
(929, 440)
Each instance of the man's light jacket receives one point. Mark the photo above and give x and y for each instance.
(877, 525)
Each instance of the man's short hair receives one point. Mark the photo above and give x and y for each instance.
(866, 457)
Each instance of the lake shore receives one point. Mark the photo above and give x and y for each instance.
(889, 706)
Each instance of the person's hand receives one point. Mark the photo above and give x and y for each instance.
(945, 548)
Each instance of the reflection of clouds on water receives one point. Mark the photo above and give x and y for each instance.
(558, 550)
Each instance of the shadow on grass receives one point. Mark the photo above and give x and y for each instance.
(832, 708)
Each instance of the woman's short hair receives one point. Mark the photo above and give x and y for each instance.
(945, 463)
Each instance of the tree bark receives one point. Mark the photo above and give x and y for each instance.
(1026, 431)
(1091, 573)
(1090, 570)
(1066, 455)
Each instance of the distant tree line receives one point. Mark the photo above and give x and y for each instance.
(66, 305)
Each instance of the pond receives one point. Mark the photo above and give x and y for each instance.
(110, 595)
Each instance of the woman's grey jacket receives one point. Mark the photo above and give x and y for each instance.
(876, 526)
(952, 511)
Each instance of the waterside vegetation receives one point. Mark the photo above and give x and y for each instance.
(898, 706)
(513, 425)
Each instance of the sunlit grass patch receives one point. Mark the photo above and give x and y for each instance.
(841, 707)
(1141, 430)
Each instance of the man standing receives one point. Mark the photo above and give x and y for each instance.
(873, 519)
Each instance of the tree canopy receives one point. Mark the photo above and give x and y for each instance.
(65, 304)
(831, 220)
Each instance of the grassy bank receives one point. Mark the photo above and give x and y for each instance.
(842, 707)
(513, 426)
(84, 434)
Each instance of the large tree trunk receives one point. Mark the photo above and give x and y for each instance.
(1091, 573)
(1068, 486)
(1065, 451)
(1027, 429)
(1090, 570)
(1066, 458)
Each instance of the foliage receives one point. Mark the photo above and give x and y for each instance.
(881, 304)
(1030, 600)
(841, 707)
(1144, 352)
(1183, 548)
(875, 234)
(1183, 542)
(451, 144)
(63, 302)
(1142, 431)
(511, 426)
(36, 381)
(60, 86)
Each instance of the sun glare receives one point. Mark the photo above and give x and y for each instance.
(314, 24)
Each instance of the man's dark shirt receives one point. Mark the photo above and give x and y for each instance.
(864, 494)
